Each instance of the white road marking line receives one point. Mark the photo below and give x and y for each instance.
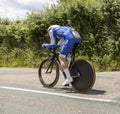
(56, 94)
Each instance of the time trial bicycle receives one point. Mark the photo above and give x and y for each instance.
(81, 70)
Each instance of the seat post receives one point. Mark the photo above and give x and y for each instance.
(74, 50)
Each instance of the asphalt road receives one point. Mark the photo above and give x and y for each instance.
(22, 93)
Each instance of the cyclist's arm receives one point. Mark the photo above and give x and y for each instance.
(60, 42)
(52, 39)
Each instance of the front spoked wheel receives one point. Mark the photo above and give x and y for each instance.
(83, 75)
(48, 73)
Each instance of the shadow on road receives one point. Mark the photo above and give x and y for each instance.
(96, 92)
(71, 90)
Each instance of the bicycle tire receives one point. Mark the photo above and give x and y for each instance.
(52, 76)
(86, 80)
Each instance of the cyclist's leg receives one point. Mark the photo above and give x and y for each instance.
(66, 48)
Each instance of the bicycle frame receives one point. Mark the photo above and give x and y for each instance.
(55, 56)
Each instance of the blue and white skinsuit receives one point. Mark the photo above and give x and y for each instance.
(68, 37)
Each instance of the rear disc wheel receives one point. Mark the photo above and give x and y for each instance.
(83, 75)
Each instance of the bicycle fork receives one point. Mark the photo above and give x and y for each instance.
(50, 67)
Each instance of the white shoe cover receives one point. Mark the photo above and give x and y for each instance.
(67, 81)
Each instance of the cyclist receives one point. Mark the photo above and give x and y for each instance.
(68, 37)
